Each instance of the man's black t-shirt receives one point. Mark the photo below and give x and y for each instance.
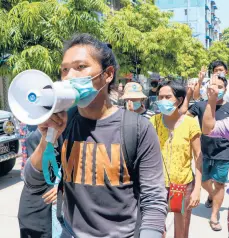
(212, 148)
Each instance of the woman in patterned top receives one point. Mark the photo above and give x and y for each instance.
(179, 135)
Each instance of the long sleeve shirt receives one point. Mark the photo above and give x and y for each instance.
(99, 196)
(221, 129)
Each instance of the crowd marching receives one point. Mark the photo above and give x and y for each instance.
(124, 167)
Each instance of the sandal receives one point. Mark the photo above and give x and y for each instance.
(214, 224)
(208, 203)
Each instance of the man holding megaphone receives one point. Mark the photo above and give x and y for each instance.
(110, 157)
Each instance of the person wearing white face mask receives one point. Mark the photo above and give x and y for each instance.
(179, 135)
(134, 99)
(102, 183)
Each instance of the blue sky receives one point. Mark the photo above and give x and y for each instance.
(222, 13)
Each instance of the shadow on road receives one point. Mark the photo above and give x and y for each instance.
(10, 179)
(202, 211)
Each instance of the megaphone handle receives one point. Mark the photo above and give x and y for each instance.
(51, 135)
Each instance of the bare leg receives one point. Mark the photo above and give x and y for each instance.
(207, 185)
(182, 222)
(218, 197)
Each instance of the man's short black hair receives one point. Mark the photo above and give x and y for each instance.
(103, 51)
(178, 89)
(218, 63)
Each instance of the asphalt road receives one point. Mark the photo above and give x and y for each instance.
(11, 186)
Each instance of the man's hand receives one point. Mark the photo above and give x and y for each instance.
(213, 89)
(202, 74)
(57, 121)
(50, 196)
(194, 199)
(190, 88)
(130, 106)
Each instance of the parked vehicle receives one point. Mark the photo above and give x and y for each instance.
(9, 142)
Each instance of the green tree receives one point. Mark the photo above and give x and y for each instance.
(32, 32)
(225, 36)
(219, 51)
(144, 39)
(191, 58)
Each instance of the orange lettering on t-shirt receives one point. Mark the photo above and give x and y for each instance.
(81, 162)
(74, 162)
(106, 165)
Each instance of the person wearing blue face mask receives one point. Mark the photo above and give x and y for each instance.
(179, 135)
(215, 151)
(101, 194)
(134, 99)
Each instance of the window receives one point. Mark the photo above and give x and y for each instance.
(171, 11)
(185, 12)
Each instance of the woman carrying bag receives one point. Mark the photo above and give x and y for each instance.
(179, 136)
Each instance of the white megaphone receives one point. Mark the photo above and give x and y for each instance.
(33, 97)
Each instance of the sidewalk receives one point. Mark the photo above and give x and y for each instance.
(200, 227)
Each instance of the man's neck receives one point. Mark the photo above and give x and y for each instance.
(99, 109)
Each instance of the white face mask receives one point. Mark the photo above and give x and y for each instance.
(137, 105)
(86, 90)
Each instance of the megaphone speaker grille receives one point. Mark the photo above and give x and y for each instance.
(20, 106)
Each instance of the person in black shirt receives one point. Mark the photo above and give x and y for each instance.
(152, 97)
(100, 194)
(215, 155)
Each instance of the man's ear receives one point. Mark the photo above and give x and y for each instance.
(109, 74)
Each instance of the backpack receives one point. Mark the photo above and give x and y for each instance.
(130, 134)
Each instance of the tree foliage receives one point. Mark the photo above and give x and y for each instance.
(225, 36)
(32, 32)
(142, 36)
(219, 51)
(144, 39)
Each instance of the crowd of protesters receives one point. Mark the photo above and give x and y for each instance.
(125, 167)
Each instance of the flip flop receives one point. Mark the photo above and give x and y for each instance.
(212, 223)
(208, 203)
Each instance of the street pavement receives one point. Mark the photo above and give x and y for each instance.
(11, 186)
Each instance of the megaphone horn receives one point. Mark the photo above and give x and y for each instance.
(33, 97)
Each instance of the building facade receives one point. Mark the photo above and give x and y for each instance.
(200, 15)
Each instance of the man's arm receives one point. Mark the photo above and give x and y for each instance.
(189, 95)
(221, 129)
(153, 195)
(196, 93)
(211, 127)
(209, 118)
(33, 175)
(209, 114)
(33, 178)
